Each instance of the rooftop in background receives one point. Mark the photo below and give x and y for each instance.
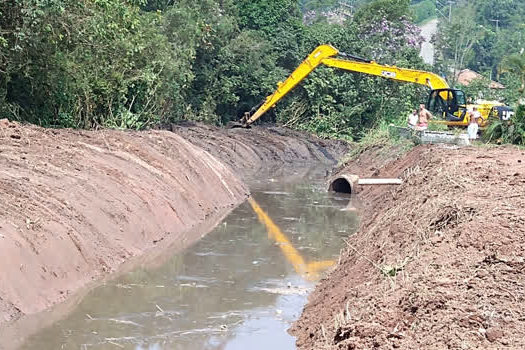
(466, 76)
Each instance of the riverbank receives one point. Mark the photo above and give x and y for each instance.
(437, 262)
(76, 205)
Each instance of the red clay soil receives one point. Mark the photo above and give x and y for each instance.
(75, 205)
(438, 261)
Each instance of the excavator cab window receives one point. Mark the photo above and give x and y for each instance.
(447, 102)
(460, 98)
(436, 103)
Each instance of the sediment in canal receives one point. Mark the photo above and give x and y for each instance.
(436, 262)
(75, 205)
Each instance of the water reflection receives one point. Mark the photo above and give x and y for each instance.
(309, 271)
(234, 289)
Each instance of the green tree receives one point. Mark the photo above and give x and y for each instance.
(337, 103)
(457, 38)
(137, 63)
(156, 5)
(266, 15)
(423, 10)
(481, 34)
(515, 65)
(86, 64)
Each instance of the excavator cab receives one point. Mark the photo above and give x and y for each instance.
(448, 103)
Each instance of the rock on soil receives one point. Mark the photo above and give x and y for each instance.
(438, 261)
(75, 205)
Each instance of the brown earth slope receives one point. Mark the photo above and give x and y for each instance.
(75, 205)
(261, 147)
(438, 262)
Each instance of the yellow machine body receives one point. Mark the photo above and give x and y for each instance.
(326, 55)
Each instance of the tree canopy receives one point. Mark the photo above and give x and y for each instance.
(482, 35)
(138, 63)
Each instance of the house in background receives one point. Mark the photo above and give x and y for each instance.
(466, 76)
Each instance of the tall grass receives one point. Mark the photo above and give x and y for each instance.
(511, 131)
(379, 137)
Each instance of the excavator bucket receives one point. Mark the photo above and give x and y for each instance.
(237, 125)
(241, 123)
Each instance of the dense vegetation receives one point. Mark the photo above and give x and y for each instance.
(487, 36)
(138, 63)
(424, 10)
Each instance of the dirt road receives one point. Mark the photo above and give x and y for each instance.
(427, 49)
(438, 262)
(76, 205)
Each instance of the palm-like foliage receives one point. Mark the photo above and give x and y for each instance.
(515, 64)
(512, 131)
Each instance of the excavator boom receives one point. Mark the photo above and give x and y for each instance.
(325, 54)
(429, 79)
(306, 67)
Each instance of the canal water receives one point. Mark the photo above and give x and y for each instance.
(239, 287)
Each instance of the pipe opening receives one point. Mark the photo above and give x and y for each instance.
(341, 185)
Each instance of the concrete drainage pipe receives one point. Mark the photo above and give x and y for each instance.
(343, 183)
(346, 183)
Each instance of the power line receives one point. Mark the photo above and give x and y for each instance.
(497, 23)
(449, 3)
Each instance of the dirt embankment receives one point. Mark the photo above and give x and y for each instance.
(75, 205)
(249, 150)
(438, 261)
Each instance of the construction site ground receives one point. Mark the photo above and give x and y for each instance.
(438, 261)
(76, 205)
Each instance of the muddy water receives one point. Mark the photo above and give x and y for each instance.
(239, 287)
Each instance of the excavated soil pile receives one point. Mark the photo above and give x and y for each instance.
(438, 261)
(75, 205)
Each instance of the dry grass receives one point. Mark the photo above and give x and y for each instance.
(426, 249)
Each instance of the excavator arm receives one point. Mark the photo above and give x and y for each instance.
(326, 55)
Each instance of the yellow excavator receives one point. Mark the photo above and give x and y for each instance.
(449, 104)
